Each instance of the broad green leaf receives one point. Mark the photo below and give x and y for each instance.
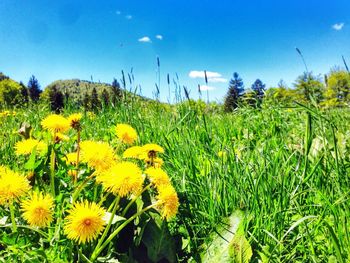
(160, 245)
(240, 249)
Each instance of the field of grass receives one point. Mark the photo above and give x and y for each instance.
(285, 169)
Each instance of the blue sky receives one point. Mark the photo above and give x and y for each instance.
(83, 38)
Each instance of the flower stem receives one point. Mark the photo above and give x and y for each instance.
(12, 211)
(98, 250)
(52, 168)
(116, 205)
(78, 153)
(134, 199)
(81, 187)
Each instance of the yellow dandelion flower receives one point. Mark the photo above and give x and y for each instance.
(152, 149)
(122, 179)
(72, 173)
(135, 152)
(71, 158)
(168, 202)
(158, 177)
(59, 137)
(155, 162)
(55, 123)
(12, 186)
(26, 147)
(74, 120)
(126, 133)
(84, 222)
(98, 155)
(38, 210)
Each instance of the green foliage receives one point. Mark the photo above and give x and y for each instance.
(11, 93)
(240, 249)
(338, 89)
(220, 248)
(158, 241)
(309, 86)
(281, 96)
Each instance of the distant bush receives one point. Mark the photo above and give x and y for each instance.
(11, 93)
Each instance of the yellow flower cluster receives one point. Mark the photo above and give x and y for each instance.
(168, 201)
(85, 220)
(26, 147)
(147, 153)
(126, 133)
(122, 179)
(12, 186)
(55, 123)
(98, 155)
(7, 113)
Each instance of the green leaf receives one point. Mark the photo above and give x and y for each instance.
(30, 164)
(240, 249)
(159, 243)
(219, 250)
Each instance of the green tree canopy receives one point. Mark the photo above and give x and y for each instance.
(308, 85)
(338, 88)
(10, 92)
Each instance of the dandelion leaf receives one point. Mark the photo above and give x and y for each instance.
(219, 249)
(240, 249)
(160, 245)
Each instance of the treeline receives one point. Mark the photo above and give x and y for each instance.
(331, 90)
(89, 95)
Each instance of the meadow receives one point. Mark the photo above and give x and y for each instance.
(256, 185)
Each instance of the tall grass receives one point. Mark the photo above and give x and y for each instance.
(287, 169)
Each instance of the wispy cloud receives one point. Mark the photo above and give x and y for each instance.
(145, 39)
(160, 37)
(205, 88)
(118, 12)
(338, 26)
(213, 77)
(200, 74)
(129, 17)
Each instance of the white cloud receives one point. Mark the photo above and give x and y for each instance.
(145, 39)
(128, 17)
(118, 12)
(338, 26)
(200, 74)
(160, 37)
(215, 80)
(205, 88)
(213, 77)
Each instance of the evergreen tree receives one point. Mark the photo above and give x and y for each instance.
(95, 102)
(34, 89)
(105, 97)
(258, 88)
(86, 102)
(24, 93)
(235, 91)
(3, 76)
(56, 99)
(116, 92)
